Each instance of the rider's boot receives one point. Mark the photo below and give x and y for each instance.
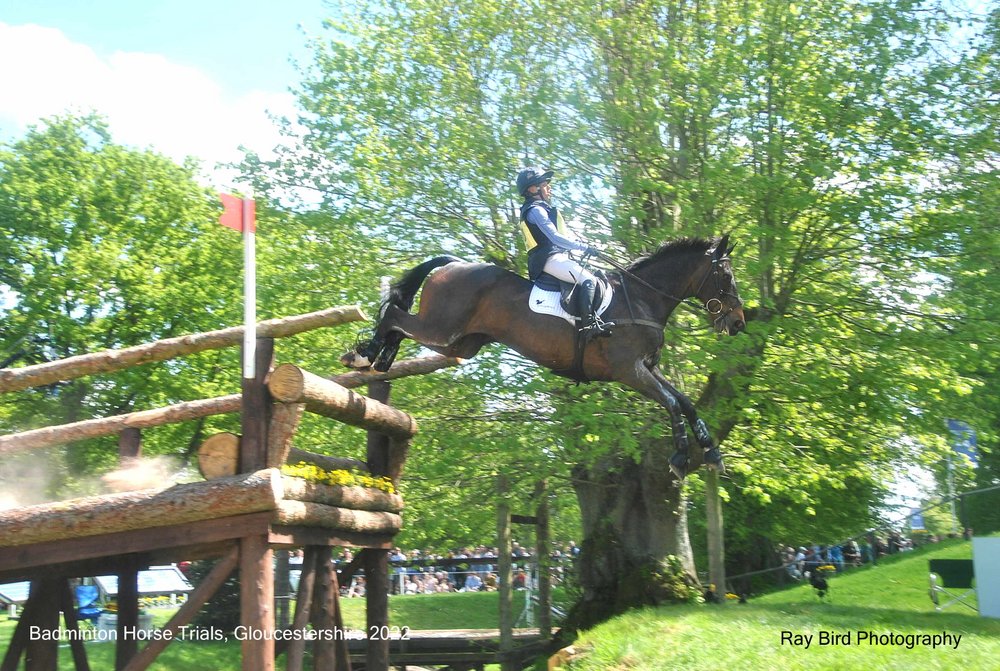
(593, 324)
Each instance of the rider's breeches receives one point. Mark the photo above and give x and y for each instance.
(566, 269)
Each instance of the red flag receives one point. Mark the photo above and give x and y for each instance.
(232, 215)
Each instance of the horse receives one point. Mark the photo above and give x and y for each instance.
(464, 306)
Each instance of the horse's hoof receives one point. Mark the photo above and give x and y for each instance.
(355, 360)
(713, 457)
(679, 464)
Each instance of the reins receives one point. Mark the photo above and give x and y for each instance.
(625, 272)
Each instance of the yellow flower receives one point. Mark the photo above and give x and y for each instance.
(337, 478)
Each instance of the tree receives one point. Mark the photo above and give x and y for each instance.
(668, 118)
(99, 252)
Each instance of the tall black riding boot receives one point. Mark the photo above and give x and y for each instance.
(593, 324)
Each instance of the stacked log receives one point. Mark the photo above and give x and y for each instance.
(129, 511)
(305, 513)
(344, 496)
(291, 384)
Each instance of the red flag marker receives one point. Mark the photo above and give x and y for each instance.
(238, 210)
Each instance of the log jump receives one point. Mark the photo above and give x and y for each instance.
(239, 512)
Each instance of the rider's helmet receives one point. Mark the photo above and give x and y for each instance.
(530, 177)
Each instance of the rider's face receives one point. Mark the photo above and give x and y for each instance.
(545, 190)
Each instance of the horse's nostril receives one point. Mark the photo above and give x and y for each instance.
(739, 326)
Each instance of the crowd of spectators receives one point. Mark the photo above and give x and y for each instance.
(800, 562)
(465, 569)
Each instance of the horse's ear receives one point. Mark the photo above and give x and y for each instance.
(719, 250)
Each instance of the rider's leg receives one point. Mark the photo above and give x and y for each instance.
(568, 270)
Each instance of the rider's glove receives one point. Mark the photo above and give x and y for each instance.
(590, 251)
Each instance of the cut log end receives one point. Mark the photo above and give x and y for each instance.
(286, 383)
(218, 456)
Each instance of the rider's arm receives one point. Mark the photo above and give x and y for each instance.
(537, 216)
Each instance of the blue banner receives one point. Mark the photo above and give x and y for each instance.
(963, 440)
(916, 520)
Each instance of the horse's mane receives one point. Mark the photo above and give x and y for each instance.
(671, 248)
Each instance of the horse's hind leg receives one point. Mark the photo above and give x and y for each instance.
(388, 351)
(713, 456)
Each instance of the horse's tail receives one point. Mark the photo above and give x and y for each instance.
(404, 290)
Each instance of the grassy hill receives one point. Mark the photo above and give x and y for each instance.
(888, 599)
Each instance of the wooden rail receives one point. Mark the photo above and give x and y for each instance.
(16, 379)
(180, 412)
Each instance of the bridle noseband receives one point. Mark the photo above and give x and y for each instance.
(714, 306)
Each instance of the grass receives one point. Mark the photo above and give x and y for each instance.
(421, 611)
(890, 598)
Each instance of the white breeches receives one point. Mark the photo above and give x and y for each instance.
(566, 269)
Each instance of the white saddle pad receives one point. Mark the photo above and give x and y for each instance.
(547, 303)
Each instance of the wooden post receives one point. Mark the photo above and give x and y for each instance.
(376, 562)
(256, 410)
(377, 608)
(129, 445)
(543, 554)
(128, 611)
(504, 574)
(282, 587)
(41, 655)
(303, 608)
(378, 443)
(67, 602)
(716, 548)
(324, 650)
(257, 603)
(256, 557)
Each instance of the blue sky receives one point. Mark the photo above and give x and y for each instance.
(181, 76)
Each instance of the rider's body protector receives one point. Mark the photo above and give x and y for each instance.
(544, 234)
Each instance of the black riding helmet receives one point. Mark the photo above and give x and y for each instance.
(530, 177)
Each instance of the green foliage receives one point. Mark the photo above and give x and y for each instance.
(851, 158)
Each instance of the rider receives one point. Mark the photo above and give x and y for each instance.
(549, 242)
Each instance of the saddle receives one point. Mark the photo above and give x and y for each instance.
(551, 296)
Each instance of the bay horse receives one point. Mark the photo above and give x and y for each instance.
(465, 306)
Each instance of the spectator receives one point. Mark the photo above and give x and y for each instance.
(473, 583)
(852, 553)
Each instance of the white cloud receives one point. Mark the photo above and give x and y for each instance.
(148, 100)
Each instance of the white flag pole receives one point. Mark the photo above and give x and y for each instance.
(249, 292)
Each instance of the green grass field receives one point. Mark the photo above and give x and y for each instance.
(888, 599)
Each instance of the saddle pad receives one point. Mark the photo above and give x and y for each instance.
(547, 303)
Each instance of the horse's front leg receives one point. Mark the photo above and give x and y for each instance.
(713, 456)
(649, 385)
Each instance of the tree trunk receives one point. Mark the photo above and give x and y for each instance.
(634, 517)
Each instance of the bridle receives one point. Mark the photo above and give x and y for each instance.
(715, 307)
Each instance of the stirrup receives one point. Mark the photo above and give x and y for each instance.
(597, 327)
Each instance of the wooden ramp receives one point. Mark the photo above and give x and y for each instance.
(457, 649)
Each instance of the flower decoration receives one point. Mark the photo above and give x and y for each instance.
(336, 478)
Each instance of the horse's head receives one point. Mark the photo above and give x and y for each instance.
(718, 292)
